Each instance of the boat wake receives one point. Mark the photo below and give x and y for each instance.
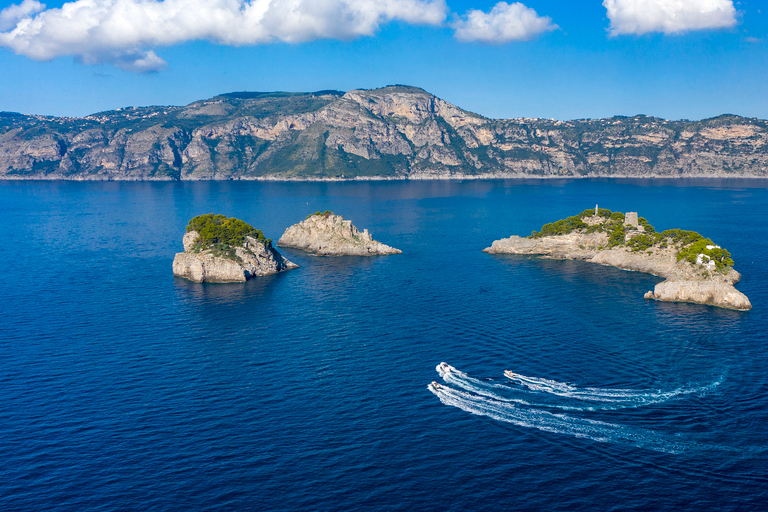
(630, 397)
(525, 405)
(556, 423)
(560, 395)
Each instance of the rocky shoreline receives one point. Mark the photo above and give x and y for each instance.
(235, 263)
(448, 176)
(326, 234)
(615, 243)
(395, 132)
(695, 269)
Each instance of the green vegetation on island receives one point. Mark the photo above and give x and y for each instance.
(311, 136)
(220, 234)
(318, 213)
(689, 245)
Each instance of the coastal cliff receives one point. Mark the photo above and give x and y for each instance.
(221, 257)
(396, 132)
(696, 270)
(326, 234)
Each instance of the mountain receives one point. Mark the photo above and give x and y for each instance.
(392, 132)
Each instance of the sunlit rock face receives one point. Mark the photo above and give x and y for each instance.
(394, 132)
(327, 234)
(253, 258)
(699, 282)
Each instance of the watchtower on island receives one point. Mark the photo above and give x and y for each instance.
(631, 220)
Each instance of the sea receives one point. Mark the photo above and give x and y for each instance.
(124, 388)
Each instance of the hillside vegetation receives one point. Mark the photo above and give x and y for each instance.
(392, 132)
(221, 235)
(688, 245)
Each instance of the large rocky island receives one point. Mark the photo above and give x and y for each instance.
(695, 268)
(218, 249)
(326, 234)
(396, 132)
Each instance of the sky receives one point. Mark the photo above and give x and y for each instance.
(676, 59)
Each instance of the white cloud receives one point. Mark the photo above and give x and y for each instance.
(138, 61)
(668, 16)
(121, 31)
(11, 15)
(504, 23)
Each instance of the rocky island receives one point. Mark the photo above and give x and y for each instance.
(326, 234)
(695, 268)
(218, 249)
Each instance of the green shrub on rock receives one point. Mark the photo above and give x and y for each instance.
(646, 225)
(561, 227)
(682, 237)
(643, 241)
(218, 230)
(616, 236)
(688, 244)
(720, 256)
(318, 213)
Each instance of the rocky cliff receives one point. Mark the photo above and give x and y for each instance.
(326, 234)
(696, 270)
(389, 133)
(252, 258)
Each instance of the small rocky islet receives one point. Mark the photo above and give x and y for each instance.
(218, 249)
(695, 269)
(327, 234)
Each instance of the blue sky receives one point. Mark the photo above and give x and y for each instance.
(570, 66)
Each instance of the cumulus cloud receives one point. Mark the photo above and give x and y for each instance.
(504, 23)
(11, 15)
(137, 61)
(121, 32)
(668, 16)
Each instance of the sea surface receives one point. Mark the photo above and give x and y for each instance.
(124, 388)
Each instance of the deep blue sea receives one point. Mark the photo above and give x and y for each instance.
(124, 388)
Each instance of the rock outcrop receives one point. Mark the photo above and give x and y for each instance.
(395, 132)
(326, 234)
(701, 282)
(719, 294)
(253, 258)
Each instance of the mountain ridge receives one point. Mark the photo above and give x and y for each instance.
(394, 132)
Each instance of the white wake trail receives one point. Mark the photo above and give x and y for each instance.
(560, 395)
(453, 376)
(556, 423)
(630, 397)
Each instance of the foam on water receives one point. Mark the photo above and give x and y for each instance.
(488, 389)
(558, 423)
(488, 399)
(630, 397)
(560, 395)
